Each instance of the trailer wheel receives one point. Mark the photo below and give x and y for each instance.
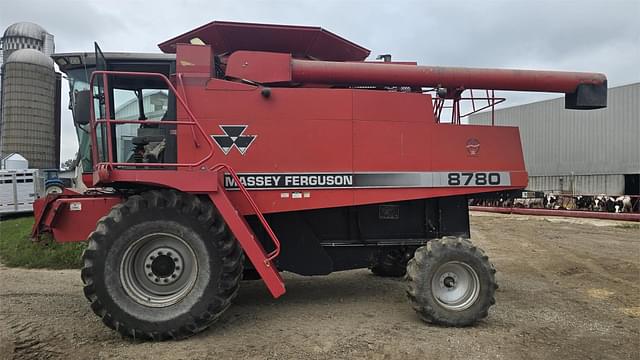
(161, 265)
(451, 282)
(54, 186)
(391, 263)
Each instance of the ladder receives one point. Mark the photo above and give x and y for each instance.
(262, 262)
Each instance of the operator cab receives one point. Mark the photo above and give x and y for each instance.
(131, 98)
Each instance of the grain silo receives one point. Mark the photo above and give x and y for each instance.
(29, 125)
(26, 35)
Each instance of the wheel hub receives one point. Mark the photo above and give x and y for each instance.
(158, 270)
(163, 265)
(455, 286)
(449, 282)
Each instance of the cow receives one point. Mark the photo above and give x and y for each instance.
(584, 202)
(623, 204)
(599, 202)
(550, 201)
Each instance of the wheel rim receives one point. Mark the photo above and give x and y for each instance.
(158, 270)
(455, 286)
(53, 189)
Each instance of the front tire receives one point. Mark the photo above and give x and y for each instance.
(161, 265)
(451, 282)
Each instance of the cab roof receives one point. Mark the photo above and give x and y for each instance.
(72, 60)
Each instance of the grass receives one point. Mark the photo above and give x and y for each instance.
(17, 249)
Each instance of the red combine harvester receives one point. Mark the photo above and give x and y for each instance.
(246, 150)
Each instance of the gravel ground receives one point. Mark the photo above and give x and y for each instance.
(569, 289)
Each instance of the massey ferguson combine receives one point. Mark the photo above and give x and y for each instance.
(246, 150)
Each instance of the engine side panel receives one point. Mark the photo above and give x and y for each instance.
(321, 241)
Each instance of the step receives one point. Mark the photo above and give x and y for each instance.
(249, 242)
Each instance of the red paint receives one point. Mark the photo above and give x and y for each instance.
(249, 243)
(71, 217)
(193, 59)
(354, 73)
(301, 41)
(261, 67)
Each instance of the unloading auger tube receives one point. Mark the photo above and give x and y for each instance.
(583, 90)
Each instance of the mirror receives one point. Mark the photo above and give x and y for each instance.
(81, 110)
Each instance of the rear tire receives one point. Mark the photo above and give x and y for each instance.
(161, 265)
(391, 263)
(451, 282)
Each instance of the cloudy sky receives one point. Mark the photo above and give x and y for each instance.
(577, 35)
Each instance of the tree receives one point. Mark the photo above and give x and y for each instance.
(69, 164)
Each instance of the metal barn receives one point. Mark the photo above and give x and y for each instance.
(579, 152)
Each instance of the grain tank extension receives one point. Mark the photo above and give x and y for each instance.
(246, 150)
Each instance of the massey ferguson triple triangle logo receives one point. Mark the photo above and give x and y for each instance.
(234, 137)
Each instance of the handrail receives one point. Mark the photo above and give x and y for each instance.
(439, 104)
(272, 255)
(186, 101)
(109, 121)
